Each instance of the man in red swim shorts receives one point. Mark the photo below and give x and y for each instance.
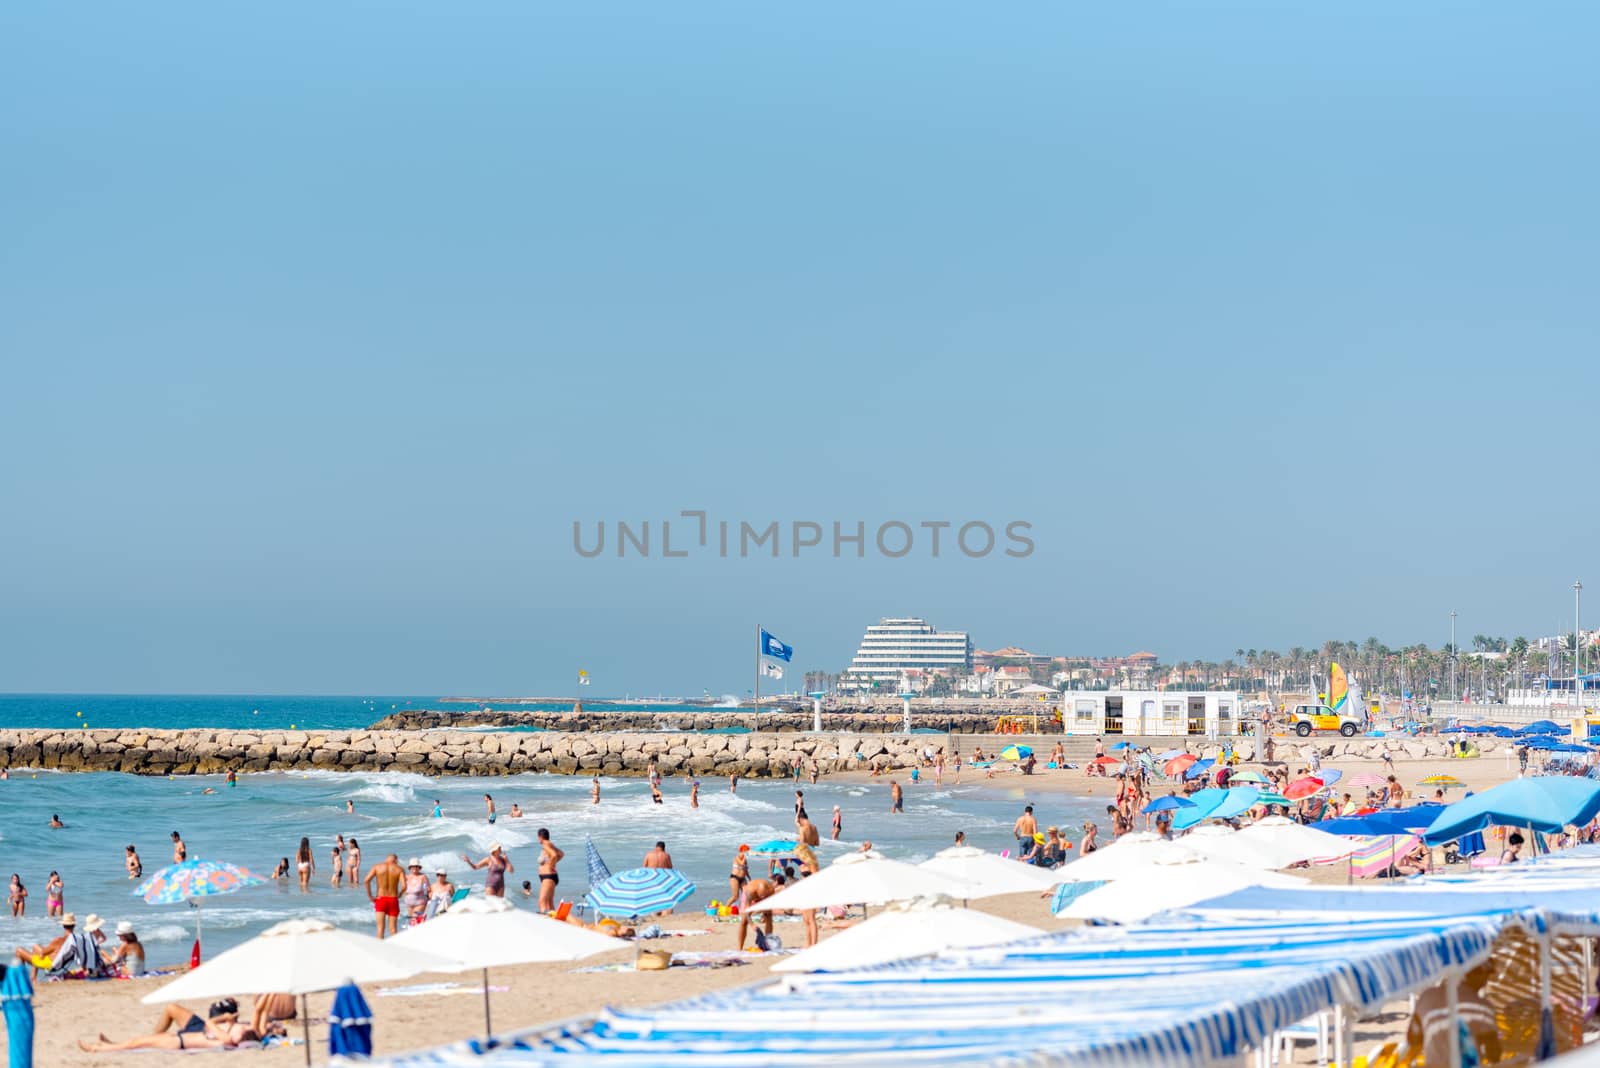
(386, 898)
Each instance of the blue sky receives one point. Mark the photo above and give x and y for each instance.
(323, 324)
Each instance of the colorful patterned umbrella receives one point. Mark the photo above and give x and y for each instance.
(1016, 752)
(196, 878)
(640, 892)
(1272, 799)
(1251, 777)
(1367, 780)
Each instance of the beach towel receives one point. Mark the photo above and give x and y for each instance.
(77, 957)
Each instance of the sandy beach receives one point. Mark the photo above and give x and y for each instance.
(542, 994)
(535, 994)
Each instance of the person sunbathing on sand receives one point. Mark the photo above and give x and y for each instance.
(180, 1029)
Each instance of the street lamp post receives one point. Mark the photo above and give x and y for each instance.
(1577, 643)
(1452, 654)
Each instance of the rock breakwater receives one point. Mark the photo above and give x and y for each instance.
(432, 752)
(852, 721)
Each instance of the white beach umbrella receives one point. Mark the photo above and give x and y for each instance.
(1219, 842)
(1128, 854)
(1294, 842)
(988, 873)
(298, 957)
(479, 933)
(863, 879)
(1172, 885)
(916, 930)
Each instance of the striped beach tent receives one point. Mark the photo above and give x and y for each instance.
(1380, 854)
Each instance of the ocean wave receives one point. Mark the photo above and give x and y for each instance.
(393, 778)
(391, 792)
(165, 932)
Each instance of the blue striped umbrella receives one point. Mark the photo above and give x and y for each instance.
(350, 1024)
(598, 872)
(16, 999)
(640, 892)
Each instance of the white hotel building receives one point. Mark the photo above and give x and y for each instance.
(895, 653)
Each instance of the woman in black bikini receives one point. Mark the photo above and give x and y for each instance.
(222, 1031)
(740, 874)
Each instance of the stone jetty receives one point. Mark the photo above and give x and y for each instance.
(851, 721)
(206, 751)
(614, 752)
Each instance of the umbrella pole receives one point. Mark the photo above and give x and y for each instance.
(305, 1027)
(488, 1028)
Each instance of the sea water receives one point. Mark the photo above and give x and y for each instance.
(263, 818)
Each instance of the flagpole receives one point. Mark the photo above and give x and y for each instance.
(758, 672)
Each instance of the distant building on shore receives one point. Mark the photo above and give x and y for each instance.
(909, 651)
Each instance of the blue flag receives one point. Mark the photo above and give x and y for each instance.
(771, 646)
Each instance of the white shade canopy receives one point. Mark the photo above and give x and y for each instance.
(1219, 842)
(917, 930)
(1293, 842)
(1164, 886)
(988, 873)
(1131, 853)
(298, 957)
(864, 879)
(490, 932)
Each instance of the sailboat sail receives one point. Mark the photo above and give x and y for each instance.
(1338, 691)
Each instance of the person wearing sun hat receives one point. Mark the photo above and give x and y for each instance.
(414, 892)
(128, 956)
(72, 956)
(440, 891)
(499, 865)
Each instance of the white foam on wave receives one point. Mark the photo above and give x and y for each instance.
(165, 932)
(393, 793)
(392, 778)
